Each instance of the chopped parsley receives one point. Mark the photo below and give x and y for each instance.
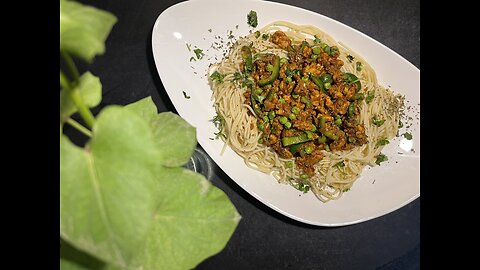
(185, 95)
(199, 53)
(219, 123)
(339, 165)
(252, 18)
(188, 47)
(302, 187)
(316, 40)
(381, 158)
(400, 124)
(192, 59)
(350, 58)
(359, 66)
(370, 96)
(237, 76)
(377, 122)
(382, 142)
(333, 50)
(217, 76)
(407, 135)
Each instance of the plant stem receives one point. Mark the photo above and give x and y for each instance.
(83, 110)
(79, 127)
(70, 65)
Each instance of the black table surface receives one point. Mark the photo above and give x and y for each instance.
(264, 239)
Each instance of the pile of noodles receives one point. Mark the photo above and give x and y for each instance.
(242, 134)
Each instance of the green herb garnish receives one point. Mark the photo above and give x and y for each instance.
(359, 66)
(381, 158)
(407, 135)
(350, 58)
(339, 165)
(382, 142)
(217, 76)
(252, 18)
(199, 53)
(219, 123)
(302, 187)
(185, 95)
(377, 122)
(370, 96)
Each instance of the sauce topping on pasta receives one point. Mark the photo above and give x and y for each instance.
(308, 105)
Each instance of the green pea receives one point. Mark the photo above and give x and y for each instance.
(322, 139)
(326, 78)
(338, 121)
(295, 110)
(283, 120)
(316, 50)
(327, 85)
(271, 115)
(308, 150)
(304, 176)
(288, 125)
(292, 116)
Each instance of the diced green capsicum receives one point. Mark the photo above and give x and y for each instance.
(247, 57)
(305, 137)
(274, 75)
(351, 78)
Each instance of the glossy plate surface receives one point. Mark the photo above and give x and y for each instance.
(209, 25)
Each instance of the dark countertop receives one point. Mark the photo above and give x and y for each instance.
(265, 239)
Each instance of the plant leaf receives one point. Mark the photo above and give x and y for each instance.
(108, 192)
(119, 204)
(74, 259)
(144, 107)
(173, 135)
(84, 29)
(90, 89)
(194, 220)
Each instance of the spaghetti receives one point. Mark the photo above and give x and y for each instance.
(295, 103)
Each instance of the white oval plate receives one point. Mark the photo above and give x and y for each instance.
(203, 23)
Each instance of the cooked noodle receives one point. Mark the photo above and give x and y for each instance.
(242, 134)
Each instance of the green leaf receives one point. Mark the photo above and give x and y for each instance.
(90, 89)
(74, 259)
(175, 138)
(108, 191)
(119, 204)
(145, 108)
(84, 29)
(194, 220)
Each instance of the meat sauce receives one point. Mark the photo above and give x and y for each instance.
(304, 104)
